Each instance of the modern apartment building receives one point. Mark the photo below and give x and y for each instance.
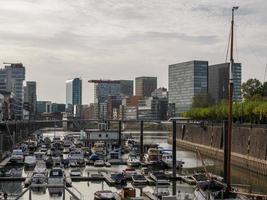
(186, 80)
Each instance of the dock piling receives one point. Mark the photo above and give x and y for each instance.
(141, 140)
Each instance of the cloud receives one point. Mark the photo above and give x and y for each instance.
(60, 39)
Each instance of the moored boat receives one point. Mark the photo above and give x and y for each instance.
(17, 156)
(104, 195)
(56, 177)
(30, 161)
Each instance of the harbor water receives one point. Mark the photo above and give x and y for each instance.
(192, 162)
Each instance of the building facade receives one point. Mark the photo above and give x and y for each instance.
(126, 88)
(11, 80)
(186, 80)
(219, 78)
(73, 93)
(144, 86)
(30, 97)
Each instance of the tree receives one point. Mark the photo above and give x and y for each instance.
(202, 100)
(264, 89)
(251, 88)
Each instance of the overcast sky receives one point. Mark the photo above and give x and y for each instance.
(121, 39)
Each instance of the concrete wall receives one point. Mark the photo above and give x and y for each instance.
(249, 144)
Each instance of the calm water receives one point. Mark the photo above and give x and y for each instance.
(87, 189)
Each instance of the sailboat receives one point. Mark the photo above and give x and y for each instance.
(212, 189)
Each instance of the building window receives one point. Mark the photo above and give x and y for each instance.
(99, 135)
(106, 135)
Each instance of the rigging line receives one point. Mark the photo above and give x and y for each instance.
(228, 46)
(235, 45)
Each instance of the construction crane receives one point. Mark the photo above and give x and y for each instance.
(104, 81)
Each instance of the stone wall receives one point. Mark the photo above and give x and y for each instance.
(249, 143)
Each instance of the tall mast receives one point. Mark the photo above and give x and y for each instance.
(230, 106)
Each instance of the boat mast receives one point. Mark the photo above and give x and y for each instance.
(230, 106)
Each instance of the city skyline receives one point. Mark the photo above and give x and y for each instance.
(124, 40)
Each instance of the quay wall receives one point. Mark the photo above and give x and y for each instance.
(249, 143)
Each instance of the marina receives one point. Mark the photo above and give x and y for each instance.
(82, 168)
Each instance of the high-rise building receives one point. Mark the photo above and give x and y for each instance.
(11, 80)
(186, 80)
(73, 93)
(126, 87)
(219, 78)
(30, 98)
(144, 86)
(105, 88)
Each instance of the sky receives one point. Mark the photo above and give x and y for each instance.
(121, 39)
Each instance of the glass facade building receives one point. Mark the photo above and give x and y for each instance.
(126, 87)
(73, 93)
(186, 80)
(219, 78)
(11, 80)
(144, 86)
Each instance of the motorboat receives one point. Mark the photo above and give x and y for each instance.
(56, 177)
(94, 157)
(162, 191)
(14, 172)
(30, 161)
(119, 178)
(159, 177)
(17, 156)
(38, 179)
(189, 180)
(76, 155)
(49, 162)
(129, 172)
(40, 168)
(73, 163)
(167, 160)
(152, 156)
(104, 195)
(99, 148)
(107, 164)
(99, 163)
(144, 171)
(39, 155)
(133, 161)
(75, 172)
(67, 143)
(139, 179)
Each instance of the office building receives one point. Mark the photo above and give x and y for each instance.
(186, 80)
(30, 98)
(219, 78)
(126, 88)
(103, 89)
(11, 80)
(73, 93)
(144, 86)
